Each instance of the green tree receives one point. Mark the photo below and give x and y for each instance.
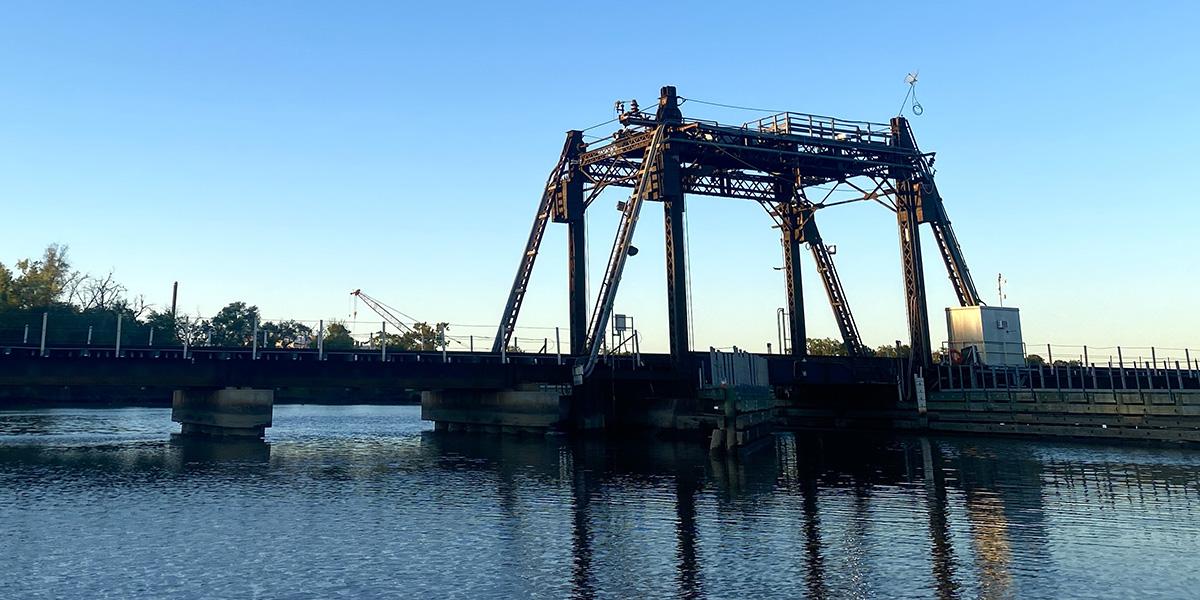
(287, 334)
(424, 337)
(337, 337)
(394, 340)
(192, 330)
(165, 326)
(171, 330)
(40, 282)
(1034, 360)
(889, 351)
(6, 280)
(826, 347)
(233, 325)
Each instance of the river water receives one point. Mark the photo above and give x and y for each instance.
(363, 502)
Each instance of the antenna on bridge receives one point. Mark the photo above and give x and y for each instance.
(1000, 281)
(911, 80)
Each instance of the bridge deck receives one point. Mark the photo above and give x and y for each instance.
(173, 366)
(225, 367)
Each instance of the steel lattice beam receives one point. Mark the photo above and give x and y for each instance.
(550, 193)
(663, 157)
(620, 252)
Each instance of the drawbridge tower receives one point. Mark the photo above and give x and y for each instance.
(663, 156)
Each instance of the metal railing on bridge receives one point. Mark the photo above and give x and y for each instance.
(828, 128)
(1135, 375)
(279, 339)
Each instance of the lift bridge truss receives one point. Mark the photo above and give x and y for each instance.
(772, 161)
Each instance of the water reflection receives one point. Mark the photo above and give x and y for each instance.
(941, 549)
(688, 483)
(981, 505)
(198, 449)
(584, 484)
(818, 516)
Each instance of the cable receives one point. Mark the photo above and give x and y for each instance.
(904, 102)
(612, 120)
(682, 100)
(687, 261)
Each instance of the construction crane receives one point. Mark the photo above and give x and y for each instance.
(389, 314)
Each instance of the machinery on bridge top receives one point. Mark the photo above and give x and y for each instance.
(775, 160)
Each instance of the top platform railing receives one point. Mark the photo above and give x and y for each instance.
(828, 128)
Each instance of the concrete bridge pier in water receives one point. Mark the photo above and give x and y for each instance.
(527, 408)
(727, 400)
(224, 412)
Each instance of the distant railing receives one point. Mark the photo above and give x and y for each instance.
(209, 353)
(122, 336)
(1074, 354)
(828, 128)
(1143, 376)
(1070, 367)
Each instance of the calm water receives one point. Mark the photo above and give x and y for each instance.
(360, 502)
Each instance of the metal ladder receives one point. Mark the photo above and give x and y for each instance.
(512, 308)
(837, 297)
(620, 251)
(934, 213)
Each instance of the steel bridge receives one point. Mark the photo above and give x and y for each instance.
(663, 156)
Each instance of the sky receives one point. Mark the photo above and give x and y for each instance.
(287, 153)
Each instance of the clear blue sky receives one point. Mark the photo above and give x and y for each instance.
(287, 153)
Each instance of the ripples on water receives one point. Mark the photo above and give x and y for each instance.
(358, 502)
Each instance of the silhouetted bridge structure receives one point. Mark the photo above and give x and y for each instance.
(661, 156)
(308, 374)
(1144, 401)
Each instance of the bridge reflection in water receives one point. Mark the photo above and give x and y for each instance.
(971, 514)
(402, 509)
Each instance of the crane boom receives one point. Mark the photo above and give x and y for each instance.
(389, 314)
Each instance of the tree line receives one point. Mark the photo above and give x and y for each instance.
(80, 308)
(831, 347)
(78, 305)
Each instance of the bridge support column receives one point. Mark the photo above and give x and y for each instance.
(670, 191)
(792, 233)
(908, 222)
(677, 305)
(576, 250)
(232, 412)
(529, 407)
(914, 280)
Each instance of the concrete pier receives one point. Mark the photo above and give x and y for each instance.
(747, 416)
(1129, 414)
(229, 412)
(739, 389)
(528, 408)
